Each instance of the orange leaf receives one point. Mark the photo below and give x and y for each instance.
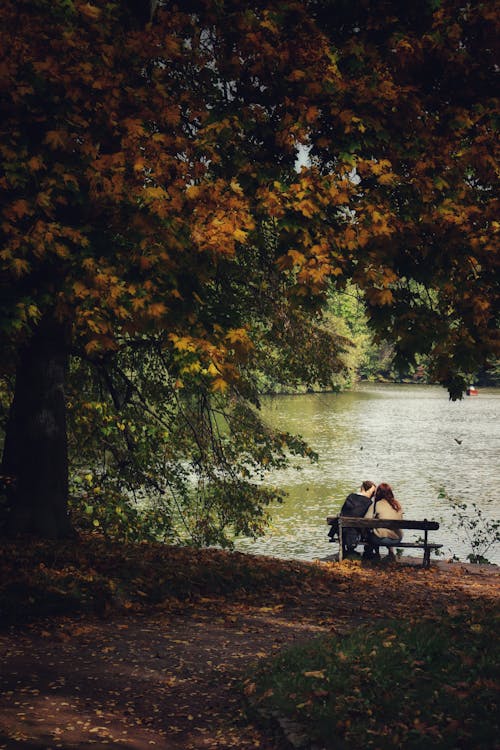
(20, 208)
(55, 139)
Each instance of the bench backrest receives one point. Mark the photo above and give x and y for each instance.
(373, 523)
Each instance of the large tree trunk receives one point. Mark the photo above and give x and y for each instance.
(35, 454)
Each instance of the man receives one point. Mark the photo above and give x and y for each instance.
(357, 505)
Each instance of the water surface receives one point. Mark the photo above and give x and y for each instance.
(411, 436)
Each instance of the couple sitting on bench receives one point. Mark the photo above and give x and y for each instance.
(370, 502)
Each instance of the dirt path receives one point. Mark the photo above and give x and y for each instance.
(173, 679)
(168, 680)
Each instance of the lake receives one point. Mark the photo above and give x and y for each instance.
(411, 436)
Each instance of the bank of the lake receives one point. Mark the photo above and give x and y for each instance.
(162, 645)
(411, 436)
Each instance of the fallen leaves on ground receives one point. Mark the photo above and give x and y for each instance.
(166, 667)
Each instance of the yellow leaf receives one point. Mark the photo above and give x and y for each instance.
(379, 167)
(157, 309)
(183, 343)
(236, 187)
(155, 192)
(212, 370)
(236, 335)
(267, 24)
(193, 191)
(90, 11)
(240, 235)
(296, 75)
(194, 367)
(387, 179)
(20, 266)
(138, 303)
(80, 289)
(307, 208)
(318, 674)
(219, 385)
(342, 198)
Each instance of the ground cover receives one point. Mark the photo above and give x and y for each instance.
(424, 683)
(100, 577)
(144, 646)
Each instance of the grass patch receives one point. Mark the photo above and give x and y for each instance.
(426, 684)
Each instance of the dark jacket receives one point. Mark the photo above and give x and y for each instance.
(355, 505)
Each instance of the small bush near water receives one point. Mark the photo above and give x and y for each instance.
(426, 684)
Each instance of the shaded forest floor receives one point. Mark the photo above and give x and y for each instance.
(144, 646)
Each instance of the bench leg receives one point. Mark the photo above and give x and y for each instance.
(340, 543)
(427, 558)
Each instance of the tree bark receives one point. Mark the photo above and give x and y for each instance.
(35, 457)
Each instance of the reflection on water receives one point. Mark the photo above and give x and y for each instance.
(411, 436)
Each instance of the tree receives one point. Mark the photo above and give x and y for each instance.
(137, 164)
(149, 195)
(417, 119)
(151, 460)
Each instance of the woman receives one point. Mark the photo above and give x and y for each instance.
(387, 508)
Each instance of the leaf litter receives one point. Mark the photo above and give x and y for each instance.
(171, 668)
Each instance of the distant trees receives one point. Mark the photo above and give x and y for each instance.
(158, 245)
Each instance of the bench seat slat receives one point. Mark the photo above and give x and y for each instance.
(417, 545)
(373, 523)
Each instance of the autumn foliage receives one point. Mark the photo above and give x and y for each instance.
(150, 197)
(136, 164)
(138, 160)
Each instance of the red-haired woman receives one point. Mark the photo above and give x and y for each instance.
(386, 508)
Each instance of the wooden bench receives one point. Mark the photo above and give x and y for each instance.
(349, 522)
